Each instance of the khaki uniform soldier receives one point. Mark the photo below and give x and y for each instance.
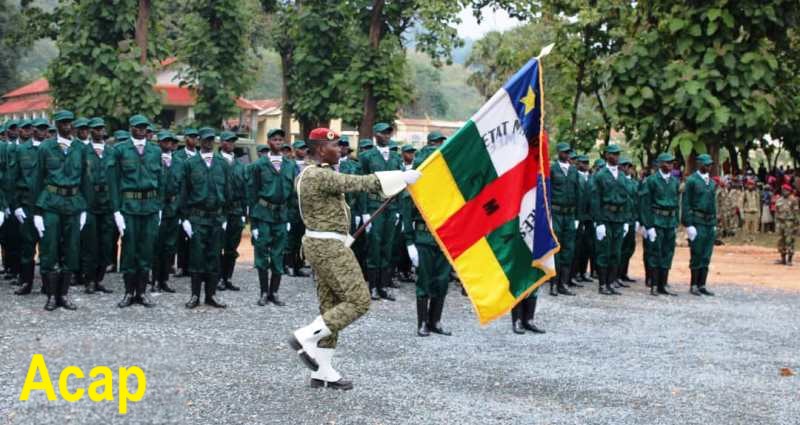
(609, 202)
(564, 191)
(584, 237)
(659, 215)
(168, 229)
(341, 290)
(234, 210)
(205, 189)
(136, 194)
(22, 178)
(64, 194)
(295, 227)
(97, 237)
(699, 216)
(632, 215)
(271, 185)
(189, 150)
(787, 219)
(751, 206)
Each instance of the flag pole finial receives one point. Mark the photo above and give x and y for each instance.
(546, 50)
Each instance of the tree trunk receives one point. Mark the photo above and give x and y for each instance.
(604, 113)
(286, 113)
(578, 93)
(142, 27)
(733, 158)
(370, 102)
(713, 150)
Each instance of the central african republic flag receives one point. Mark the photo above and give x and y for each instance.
(484, 195)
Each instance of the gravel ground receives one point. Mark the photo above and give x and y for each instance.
(633, 359)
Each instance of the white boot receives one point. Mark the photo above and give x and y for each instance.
(326, 376)
(304, 341)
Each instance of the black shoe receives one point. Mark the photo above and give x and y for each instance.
(423, 330)
(221, 285)
(561, 286)
(67, 280)
(423, 316)
(274, 285)
(25, 289)
(435, 317)
(385, 295)
(141, 296)
(98, 287)
(516, 322)
(263, 283)
(693, 285)
(214, 303)
(193, 302)
(621, 284)
(49, 282)
(663, 276)
(553, 292)
(585, 279)
(127, 299)
(373, 294)
(528, 311)
(341, 384)
(164, 287)
(701, 282)
(230, 286)
(705, 291)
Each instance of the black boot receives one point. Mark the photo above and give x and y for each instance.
(141, 290)
(89, 282)
(127, 299)
(228, 274)
(553, 291)
(197, 282)
(789, 259)
(297, 263)
(163, 276)
(648, 277)
(602, 286)
(782, 261)
(422, 316)
(625, 277)
(384, 281)
(210, 280)
(694, 286)
(67, 280)
(26, 276)
(372, 281)
(50, 285)
(652, 279)
(99, 274)
(274, 285)
(663, 275)
(435, 317)
(702, 282)
(563, 278)
(516, 321)
(611, 277)
(528, 311)
(263, 283)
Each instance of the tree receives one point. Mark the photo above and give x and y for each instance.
(9, 51)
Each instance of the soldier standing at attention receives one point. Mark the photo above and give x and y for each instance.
(608, 207)
(632, 215)
(62, 188)
(699, 216)
(564, 191)
(381, 230)
(136, 194)
(787, 217)
(584, 237)
(22, 179)
(341, 290)
(97, 237)
(189, 150)
(168, 230)
(355, 201)
(270, 186)
(295, 225)
(659, 215)
(751, 207)
(401, 262)
(205, 189)
(234, 210)
(17, 133)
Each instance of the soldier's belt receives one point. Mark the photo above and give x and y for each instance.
(702, 215)
(140, 195)
(62, 190)
(100, 187)
(663, 212)
(345, 239)
(197, 212)
(269, 205)
(613, 208)
(563, 209)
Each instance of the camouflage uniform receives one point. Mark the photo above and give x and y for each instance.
(750, 207)
(787, 217)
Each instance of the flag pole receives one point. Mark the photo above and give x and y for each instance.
(377, 212)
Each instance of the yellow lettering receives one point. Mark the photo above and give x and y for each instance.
(37, 365)
(124, 395)
(62, 384)
(106, 382)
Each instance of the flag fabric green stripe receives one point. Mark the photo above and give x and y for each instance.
(468, 160)
(515, 257)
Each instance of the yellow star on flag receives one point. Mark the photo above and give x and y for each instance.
(529, 100)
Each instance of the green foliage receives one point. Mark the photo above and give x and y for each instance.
(9, 50)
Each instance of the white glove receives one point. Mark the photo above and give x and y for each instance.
(244, 220)
(396, 219)
(288, 227)
(38, 223)
(365, 218)
(601, 232)
(187, 228)
(358, 220)
(625, 228)
(20, 214)
(254, 234)
(691, 233)
(82, 220)
(577, 224)
(224, 226)
(411, 176)
(159, 217)
(120, 221)
(651, 234)
(413, 255)
(2, 218)
(638, 226)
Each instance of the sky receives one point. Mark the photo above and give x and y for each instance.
(492, 20)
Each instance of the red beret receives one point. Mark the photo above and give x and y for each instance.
(787, 187)
(322, 134)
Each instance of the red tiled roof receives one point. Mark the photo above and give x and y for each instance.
(257, 104)
(36, 87)
(168, 61)
(176, 95)
(40, 102)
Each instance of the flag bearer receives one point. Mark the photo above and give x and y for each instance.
(564, 190)
(608, 207)
(234, 210)
(659, 216)
(699, 216)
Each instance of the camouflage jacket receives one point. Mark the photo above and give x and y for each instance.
(787, 210)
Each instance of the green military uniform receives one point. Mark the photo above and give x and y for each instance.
(271, 186)
(11, 229)
(584, 237)
(609, 204)
(787, 219)
(699, 211)
(632, 217)
(401, 263)
(564, 192)
(135, 180)
(355, 201)
(599, 164)
(658, 206)
(295, 228)
(63, 189)
(168, 229)
(98, 235)
(235, 212)
(183, 155)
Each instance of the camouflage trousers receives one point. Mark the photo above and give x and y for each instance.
(341, 289)
(751, 222)
(786, 231)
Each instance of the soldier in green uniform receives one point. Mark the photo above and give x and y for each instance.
(659, 197)
(234, 210)
(609, 202)
(564, 191)
(168, 229)
(632, 219)
(271, 185)
(381, 230)
(598, 165)
(400, 259)
(787, 218)
(205, 189)
(584, 237)
(355, 200)
(18, 132)
(341, 290)
(97, 237)
(699, 216)
(189, 150)
(295, 225)
(63, 193)
(136, 194)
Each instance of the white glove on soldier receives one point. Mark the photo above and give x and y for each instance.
(20, 214)
(601, 232)
(244, 220)
(224, 226)
(365, 218)
(411, 176)
(396, 219)
(288, 227)
(691, 233)
(2, 218)
(119, 220)
(625, 228)
(82, 220)
(38, 223)
(413, 255)
(651, 234)
(254, 234)
(187, 228)
(159, 217)
(358, 220)
(638, 226)
(577, 224)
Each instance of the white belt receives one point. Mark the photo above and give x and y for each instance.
(345, 239)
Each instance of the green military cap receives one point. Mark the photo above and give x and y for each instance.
(625, 161)
(573, 155)
(51, 127)
(381, 127)
(80, 122)
(25, 123)
(393, 145)
(11, 123)
(286, 146)
(344, 141)
(122, 136)
(599, 163)
(207, 133)
(408, 148)
(228, 136)
(96, 122)
(189, 131)
(40, 122)
(262, 148)
(582, 158)
(612, 148)
(151, 127)
(436, 135)
(665, 157)
(274, 131)
(63, 115)
(704, 159)
(299, 144)
(166, 135)
(138, 120)
(2, 127)
(563, 147)
(365, 143)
